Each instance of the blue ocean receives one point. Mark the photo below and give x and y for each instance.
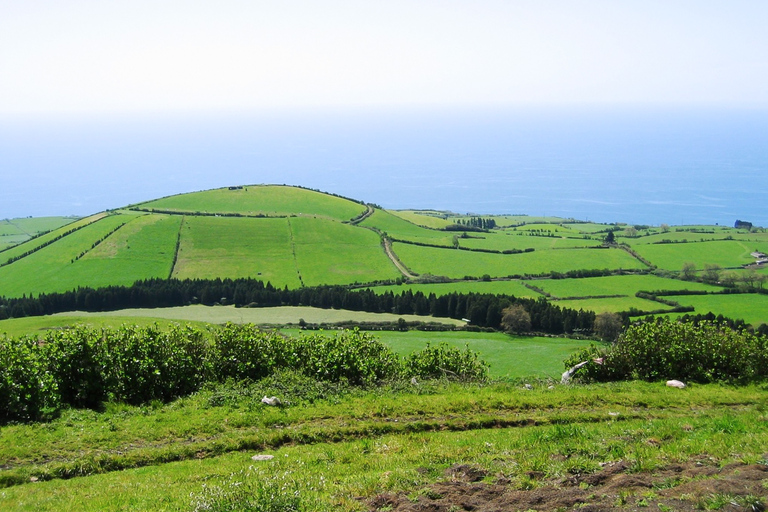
(634, 165)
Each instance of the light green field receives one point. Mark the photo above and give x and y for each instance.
(232, 247)
(456, 263)
(508, 356)
(727, 253)
(615, 285)
(31, 226)
(205, 315)
(272, 200)
(396, 227)
(8, 241)
(139, 254)
(37, 242)
(514, 220)
(678, 236)
(511, 287)
(334, 253)
(588, 227)
(751, 308)
(612, 305)
(504, 240)
(434, 220)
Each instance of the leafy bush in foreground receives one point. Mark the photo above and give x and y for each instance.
(667, 349)
(85, 367)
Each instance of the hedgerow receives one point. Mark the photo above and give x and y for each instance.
(666, 349)
(85, 367)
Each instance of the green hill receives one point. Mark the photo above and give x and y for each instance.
(295, 237)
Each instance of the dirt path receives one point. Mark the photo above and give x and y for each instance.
(392, 256)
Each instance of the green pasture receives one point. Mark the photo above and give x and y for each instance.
(425, 218)
(612, 305)
(233, 247)
(588, 227)
(273, 200)
(683, 236)
(750, 307)
(457, 264)
(616, 285)
(397, 227)
(508, 356)
(31, 226)
(37, 242)
(32, 325)
(8, 241)
(726, 253)
(505, 240)
(334, 253)
(503, 221)
(507, 287)
(140, 254)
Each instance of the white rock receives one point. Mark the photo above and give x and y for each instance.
(675, 384)
(262, 457)
(271, 400)
(528, 386)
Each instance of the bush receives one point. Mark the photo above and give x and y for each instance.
(27, 390)
(443, 361)
(677, 350)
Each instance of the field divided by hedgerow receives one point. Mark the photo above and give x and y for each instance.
(398, 228)
(135, 247)
(617, 285)
(505, 240)
(271, 200)
(334, 253)
(506, 287)
(16, 231)
(457, 263)
(426, 218)
(750, 307)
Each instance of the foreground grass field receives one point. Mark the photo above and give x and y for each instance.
(629, 446)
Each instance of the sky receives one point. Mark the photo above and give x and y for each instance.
(84, 57)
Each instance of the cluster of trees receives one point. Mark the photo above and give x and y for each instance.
(483, 310)
(477, 222)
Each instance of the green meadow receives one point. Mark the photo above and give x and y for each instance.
(616, 285)
(612, 305)
(273, 200)
(506, 287)
(506, 240)
(457, 264)
(16, 231)
(725, 253)
(750, 307)
(425, 218)
(398, 228)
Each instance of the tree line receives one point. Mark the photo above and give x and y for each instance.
(482, 310)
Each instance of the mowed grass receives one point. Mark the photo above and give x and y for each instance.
(616, 285)
(397, 227)
(726, 253)
(505, 240)
(456, 263)
(136, 254)
(506, 287)
(752, 308)
(612, 305)
(434, 220)
(273, 200)
(508, 356)
(37, 242)
(334, 253)
(232, 247)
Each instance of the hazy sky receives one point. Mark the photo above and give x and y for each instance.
(101, 56)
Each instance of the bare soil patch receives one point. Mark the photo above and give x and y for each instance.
(684, 487)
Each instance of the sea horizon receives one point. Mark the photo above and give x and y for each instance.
(634, 165)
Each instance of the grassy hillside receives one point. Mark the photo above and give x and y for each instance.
(270, 200)
(16, 231)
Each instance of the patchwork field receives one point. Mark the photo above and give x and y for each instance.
(616, 285)
(16, 231)
(726, 253)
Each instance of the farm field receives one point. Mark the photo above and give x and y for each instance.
(616, 285)
(335, 253)
(399, 228)
(506, 240)
(16, 231)
(71, 262)
(273, 200)
(213, 247)
(429, 219)
(751, 308)
(457, 264)
(434, 444)
(506, 287)
(611, 305)
(726, 253)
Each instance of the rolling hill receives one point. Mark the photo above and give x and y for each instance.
(295, 237)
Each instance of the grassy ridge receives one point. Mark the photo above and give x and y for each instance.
(273, 200)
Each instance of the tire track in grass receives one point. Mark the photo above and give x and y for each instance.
(293, 251)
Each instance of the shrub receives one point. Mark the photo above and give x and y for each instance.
(27, 390)
(443, 361)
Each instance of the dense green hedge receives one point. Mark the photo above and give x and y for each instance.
(665, 349)
(84, 367)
